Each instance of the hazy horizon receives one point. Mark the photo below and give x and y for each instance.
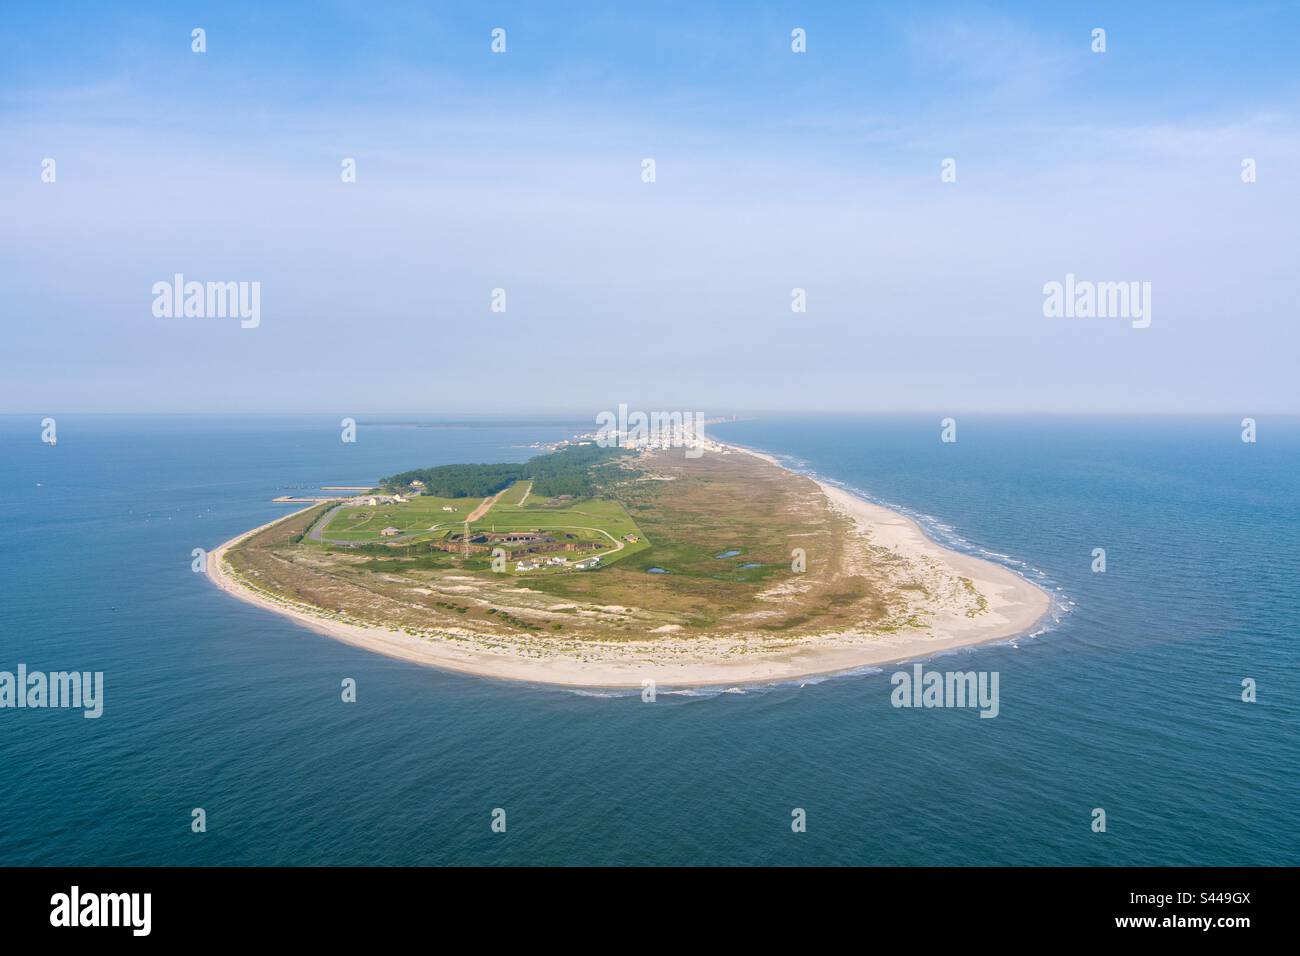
(578, 416)
(774, 171)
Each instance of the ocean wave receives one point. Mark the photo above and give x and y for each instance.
(945, 534)
(610, 692)
(721, 690)
(812, 680)
(717, 691)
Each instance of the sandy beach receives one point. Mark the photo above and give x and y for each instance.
(1014, 606)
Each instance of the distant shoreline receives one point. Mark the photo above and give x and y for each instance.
(1014, 606)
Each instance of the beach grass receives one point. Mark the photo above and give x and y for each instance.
(703, 544)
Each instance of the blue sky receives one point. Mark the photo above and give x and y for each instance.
(774, 171)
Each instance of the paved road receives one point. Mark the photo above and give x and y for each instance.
(321, 522)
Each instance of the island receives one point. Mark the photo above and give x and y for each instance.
(598, 566)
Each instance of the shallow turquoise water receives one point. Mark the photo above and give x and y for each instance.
(1129, 702)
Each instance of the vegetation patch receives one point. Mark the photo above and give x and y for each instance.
(724, 525)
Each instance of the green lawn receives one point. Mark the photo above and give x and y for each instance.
(587, 519)
(598, 519)
(363, 522)
(515, 493)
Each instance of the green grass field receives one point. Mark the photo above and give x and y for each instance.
(363, 523)
(516, 493)
(423, 518)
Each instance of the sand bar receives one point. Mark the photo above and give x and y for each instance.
(1015, 606)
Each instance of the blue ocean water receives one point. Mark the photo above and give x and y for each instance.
(1130, 701)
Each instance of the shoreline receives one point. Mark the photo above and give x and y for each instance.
(1015, 605)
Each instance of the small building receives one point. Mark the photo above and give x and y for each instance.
(448, 508)
(632, 538)
(389, 532)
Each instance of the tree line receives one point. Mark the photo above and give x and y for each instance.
(577, 470)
